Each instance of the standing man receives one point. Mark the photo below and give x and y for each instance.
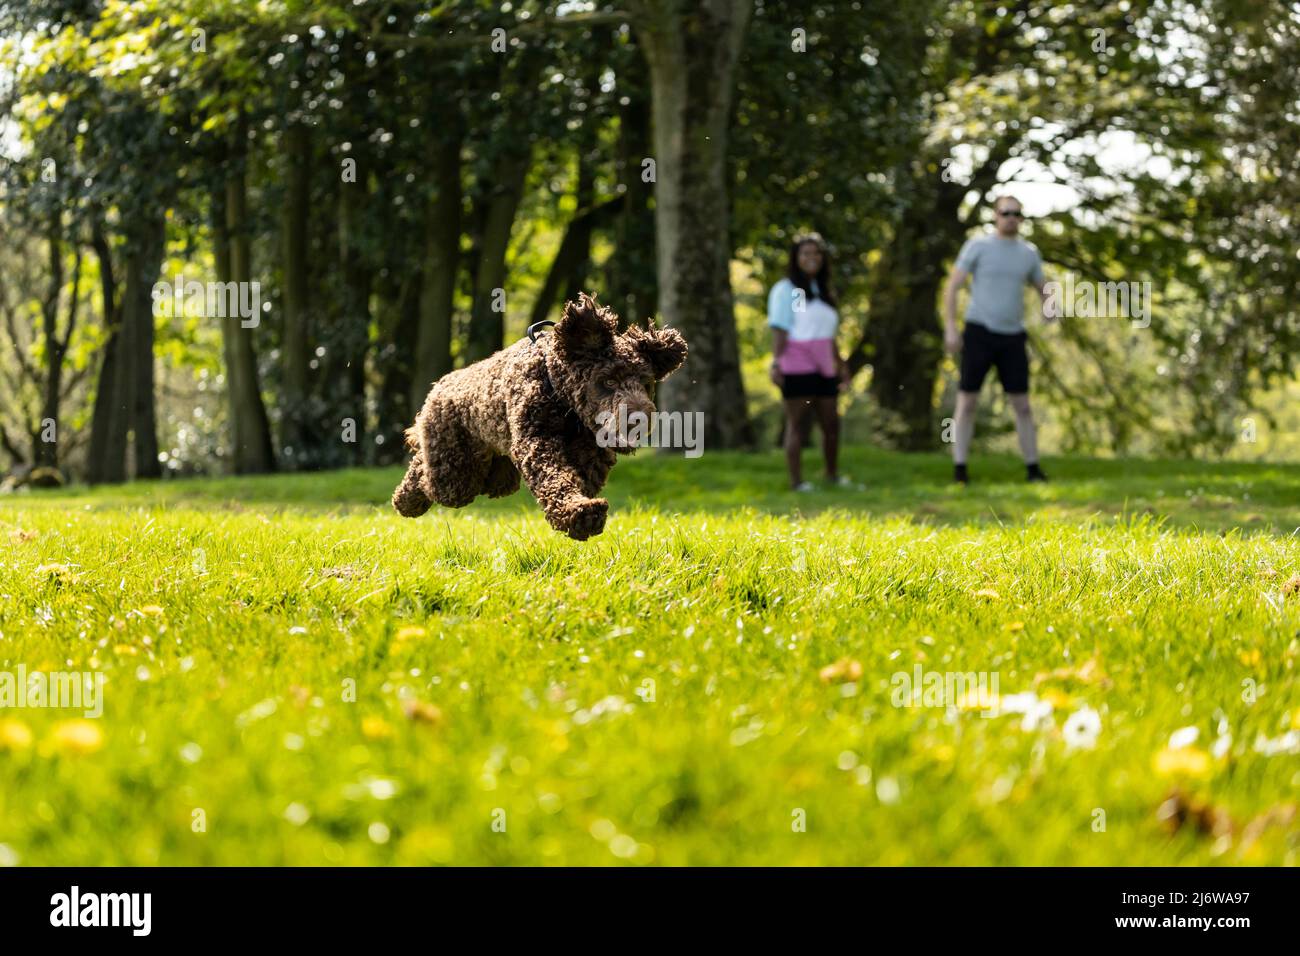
(1001, 264)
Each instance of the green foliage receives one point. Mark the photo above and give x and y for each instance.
(885, 127)
(826, 106)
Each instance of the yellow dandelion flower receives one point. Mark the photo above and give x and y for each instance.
(77, 736)
(1057, 698)
(1181, 761)
(979, 700)
(14, 735)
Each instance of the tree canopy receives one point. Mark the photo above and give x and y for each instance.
(407, 186)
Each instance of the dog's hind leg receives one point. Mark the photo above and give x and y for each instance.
(455, 463)
(410, 498)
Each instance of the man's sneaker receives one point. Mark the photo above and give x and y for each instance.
(1034, 473)
(805, 486)
(842, 481)
(959, 474)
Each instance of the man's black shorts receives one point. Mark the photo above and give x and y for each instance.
(982, 349)
(810, 386)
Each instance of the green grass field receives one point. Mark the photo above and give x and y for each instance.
(295, 675)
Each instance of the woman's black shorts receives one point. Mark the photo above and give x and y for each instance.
(982, 349)
(811, 385)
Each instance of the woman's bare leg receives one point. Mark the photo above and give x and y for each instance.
(828, 417)
(798, 415)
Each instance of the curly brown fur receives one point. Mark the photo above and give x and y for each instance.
(487, 425)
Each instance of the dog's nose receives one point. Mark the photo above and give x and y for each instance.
(633, 428)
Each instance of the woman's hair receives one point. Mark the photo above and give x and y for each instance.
(825, 291)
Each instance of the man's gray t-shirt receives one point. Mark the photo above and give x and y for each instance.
(999, 270)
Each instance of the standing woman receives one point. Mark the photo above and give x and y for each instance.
(806, 365)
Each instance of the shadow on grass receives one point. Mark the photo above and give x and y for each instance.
(1185, 494)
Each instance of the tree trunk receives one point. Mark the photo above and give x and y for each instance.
(252, 451)
(572, 260)
(46, 453)
(487, 319)
(902, 339)
(438, 274)
(139, 292)
(692, 49)
(100, 466)
(395, 362)
(903, 331)
(295, 353)
(630, 284)
(133, 421)
(580, 228)
(348, 359)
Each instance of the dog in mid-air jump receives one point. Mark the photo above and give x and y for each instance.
(536, 409)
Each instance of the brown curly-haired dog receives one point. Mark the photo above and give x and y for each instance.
(534, 409)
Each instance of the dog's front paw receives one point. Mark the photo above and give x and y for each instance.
(586, 519)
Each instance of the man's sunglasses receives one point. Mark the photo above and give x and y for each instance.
(1011, 212)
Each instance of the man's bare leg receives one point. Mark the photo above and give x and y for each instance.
(1027, 433)
(964, 428)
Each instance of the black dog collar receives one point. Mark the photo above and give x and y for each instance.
(573, 426)
(535, 329)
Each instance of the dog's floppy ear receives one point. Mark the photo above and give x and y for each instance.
(664, 350)
(585, 328)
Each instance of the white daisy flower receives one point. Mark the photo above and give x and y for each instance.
(1288, 743)
(1037, 714)
(1081, 729)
